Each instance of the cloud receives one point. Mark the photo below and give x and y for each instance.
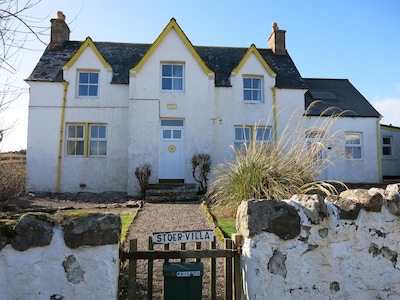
(389, 108)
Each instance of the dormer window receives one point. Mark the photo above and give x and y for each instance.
(172, 76)
(88, 84)
(252, 89)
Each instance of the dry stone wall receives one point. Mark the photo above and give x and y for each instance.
(75, 258)
(308, 247)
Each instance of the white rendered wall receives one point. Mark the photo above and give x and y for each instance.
(344, 169)
(149, 104)
(78, 174)
(391, 163)
(354, 261)
(38, 273)
(43, 135)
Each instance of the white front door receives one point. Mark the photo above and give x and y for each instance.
(171, 156)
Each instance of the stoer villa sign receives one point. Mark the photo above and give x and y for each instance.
(183, 237)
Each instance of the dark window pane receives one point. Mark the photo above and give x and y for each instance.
(247, 83)
(387, 150)
(167, 84)
(166, 70)
(171, 122)
(166, 134)
(177, 134)
(102, 132)
(247, 95)
(262, 134)
(94, 78)
(83, 90)
(83, 77)
(93, 90)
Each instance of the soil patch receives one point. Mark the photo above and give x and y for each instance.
(118, 203)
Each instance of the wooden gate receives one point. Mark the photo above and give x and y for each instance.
(230, 254)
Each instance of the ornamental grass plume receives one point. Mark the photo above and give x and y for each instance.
(282, 166)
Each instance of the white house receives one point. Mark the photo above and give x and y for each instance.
(390, 137)
(98, 110)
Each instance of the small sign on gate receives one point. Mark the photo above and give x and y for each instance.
(183, 236)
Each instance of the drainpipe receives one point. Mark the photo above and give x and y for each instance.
(274, 107)
(378, 136)
(60, 145)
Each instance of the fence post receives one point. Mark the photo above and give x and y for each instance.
(213, 268)
(150, 273)
(132, 271)
(228, 270)
(237, 243)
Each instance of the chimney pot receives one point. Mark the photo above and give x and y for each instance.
(60, 15)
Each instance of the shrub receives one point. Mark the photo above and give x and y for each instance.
(281, 168)
(143, 174)
(12, 179)
(201, 166)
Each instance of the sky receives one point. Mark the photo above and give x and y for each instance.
(357, 40)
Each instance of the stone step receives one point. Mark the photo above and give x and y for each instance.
(171, 193)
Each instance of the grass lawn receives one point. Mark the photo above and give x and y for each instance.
(224, 217)
(228, 226)
(126, 221)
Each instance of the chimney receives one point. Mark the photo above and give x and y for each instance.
(276, 40)
(59, 30)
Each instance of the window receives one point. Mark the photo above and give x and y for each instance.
(79, 144)
(98, 140)
(75, 139)
(245, 134)
(386, 145)
(315, 146)
(353, 145)
(171, 77)
(252, 89)
(88, 84)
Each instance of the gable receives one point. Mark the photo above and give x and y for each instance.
(253, 51)
(88, 43)
(172, 26)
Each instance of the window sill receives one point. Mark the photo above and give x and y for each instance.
(253, 101)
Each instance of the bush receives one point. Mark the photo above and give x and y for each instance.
(12, 179)
(278, 169)
(201, 166)
(143, 174)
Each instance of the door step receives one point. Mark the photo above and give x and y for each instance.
(171, 192)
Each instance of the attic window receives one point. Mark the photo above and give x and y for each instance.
(252, 89)
(172, 77)
(88, 84)
(323, 95)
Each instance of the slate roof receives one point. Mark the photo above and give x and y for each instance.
(124, 56)
(336, 96)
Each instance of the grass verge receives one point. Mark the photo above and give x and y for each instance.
(126, 221)
(228, 226)
(224, 227)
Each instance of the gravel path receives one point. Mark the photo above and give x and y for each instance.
(167, 217)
